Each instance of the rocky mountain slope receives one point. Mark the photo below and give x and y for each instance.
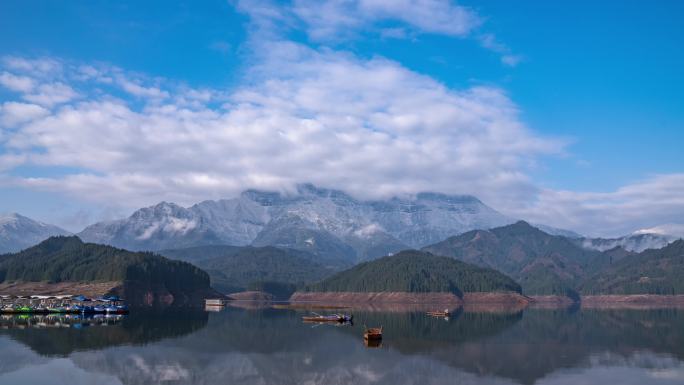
(18, 232)
(320, 221)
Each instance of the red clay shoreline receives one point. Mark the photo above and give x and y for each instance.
(503, 299)
(409, 298)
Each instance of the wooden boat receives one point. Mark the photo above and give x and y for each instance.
(328, 318)
(444, 313)
(373, 333)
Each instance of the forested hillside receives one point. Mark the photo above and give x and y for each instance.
(68, 259)
(416, 271)
(654, 271)
(540, 262)
(239, 268)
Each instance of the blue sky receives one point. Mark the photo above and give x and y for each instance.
(588, 94)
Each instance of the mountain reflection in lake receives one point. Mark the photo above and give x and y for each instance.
(273, 346)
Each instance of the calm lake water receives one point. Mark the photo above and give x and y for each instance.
(273, 346)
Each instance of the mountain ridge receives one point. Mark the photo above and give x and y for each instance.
(653, 271)
(312, 219)
(542, 263)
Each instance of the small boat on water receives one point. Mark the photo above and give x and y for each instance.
(57, 309)
(328, 318)
(444, 313)
(372, 343)
(372, 334)
(23, 309)
(119, 309)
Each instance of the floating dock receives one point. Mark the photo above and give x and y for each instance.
(214, 302)
(61, 304)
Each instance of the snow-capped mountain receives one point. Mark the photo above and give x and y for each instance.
(314, 219)
(18, 232)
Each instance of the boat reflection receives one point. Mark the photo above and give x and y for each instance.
(24, 321)
(273, 346)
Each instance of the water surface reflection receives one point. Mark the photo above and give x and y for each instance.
(273, 346)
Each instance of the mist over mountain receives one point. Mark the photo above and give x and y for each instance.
(653, 271)
(18, 232)
(637, 242)
(321, 221)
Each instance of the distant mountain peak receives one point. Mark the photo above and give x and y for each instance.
(18, 232)
(15, 217)
(310, 217)
(521, 227)
(58, 242)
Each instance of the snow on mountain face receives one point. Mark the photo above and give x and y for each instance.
(636, 242)
(163, 226)
(18, 232)
(327, 221)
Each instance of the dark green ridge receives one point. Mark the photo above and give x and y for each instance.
(654, 271)
(68, 259)
(234, 269)
(417, 272)
(543, 264)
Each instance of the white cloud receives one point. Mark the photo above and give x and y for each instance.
(137, 90)
(16, 83)
(327, 20)
(39, 80)
(371, 127)
(333, 20)
(12, 113)
(221, 46)
(511, 60)
(490, 42)
(36, 67)
(50, 94)
(651, 202)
